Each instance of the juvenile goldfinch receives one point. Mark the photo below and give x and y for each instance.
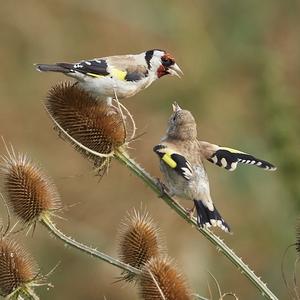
(122, 76)
(181, 162)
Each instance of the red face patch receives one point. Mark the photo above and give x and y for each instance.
(161, 71)
(167, 60)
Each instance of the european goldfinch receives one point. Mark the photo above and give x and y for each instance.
(181, 161)
(120, 76)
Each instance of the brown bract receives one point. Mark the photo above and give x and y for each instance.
(93, 123)
(29, 192)
(139, 241)
(161, 281)
(17, 268)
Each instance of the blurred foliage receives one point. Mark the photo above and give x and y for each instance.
(242, 76)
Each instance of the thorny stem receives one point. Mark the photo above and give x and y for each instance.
(23, 294)
(93, 252)
(123, 157)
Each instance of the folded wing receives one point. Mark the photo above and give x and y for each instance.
(174, 160)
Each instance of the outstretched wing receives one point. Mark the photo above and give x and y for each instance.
(228, 158)
(174, 160)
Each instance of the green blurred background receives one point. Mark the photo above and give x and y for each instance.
(242, 67)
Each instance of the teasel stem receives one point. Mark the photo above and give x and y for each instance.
(120, 154)
(34, 198)
(27, 294)
(47, 222)
(124, 158)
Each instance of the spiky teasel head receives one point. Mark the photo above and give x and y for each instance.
(139, 241)
(18, 270)
(90, 125)
(160, 280)
(29, 192)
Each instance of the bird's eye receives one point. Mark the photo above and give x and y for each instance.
(167, 62)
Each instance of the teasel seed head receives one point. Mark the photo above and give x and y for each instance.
(91, 123)
(18, 270)
(160, 280)
(29, 192)
(139, 241)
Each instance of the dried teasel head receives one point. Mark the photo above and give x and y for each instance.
(18, 271)
(139, 241)
(30, 193)
(90, 125)
(160, 280)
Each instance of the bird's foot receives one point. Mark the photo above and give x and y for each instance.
(190, 212)
(162, 188)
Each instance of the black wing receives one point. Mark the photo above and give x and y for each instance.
(175, 161)
(229, 158)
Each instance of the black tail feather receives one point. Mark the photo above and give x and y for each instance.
(207, 218)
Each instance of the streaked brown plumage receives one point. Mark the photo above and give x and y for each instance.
(181, 161)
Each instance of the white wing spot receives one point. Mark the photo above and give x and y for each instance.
(223, 162)
(233, 166)
(187, 173)
(189, 165)
(214, 159)
(213, 222)
(207, 225)
(219, 223)
(88, 63)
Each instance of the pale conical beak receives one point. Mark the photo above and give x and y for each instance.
(174, 70)
(176, 107)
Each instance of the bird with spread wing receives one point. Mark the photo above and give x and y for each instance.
(182, 158)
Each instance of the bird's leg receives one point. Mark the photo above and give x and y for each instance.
(190, 211)
(119, 107)
(162, 188)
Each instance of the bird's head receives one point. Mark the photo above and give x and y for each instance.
(162, 63)
(182, 124)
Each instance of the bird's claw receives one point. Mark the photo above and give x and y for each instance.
(190, 212)
(162, 188)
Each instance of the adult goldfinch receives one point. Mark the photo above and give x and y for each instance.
(122, 76)
(181, 160)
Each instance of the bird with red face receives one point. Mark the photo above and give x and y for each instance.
(120, 76)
